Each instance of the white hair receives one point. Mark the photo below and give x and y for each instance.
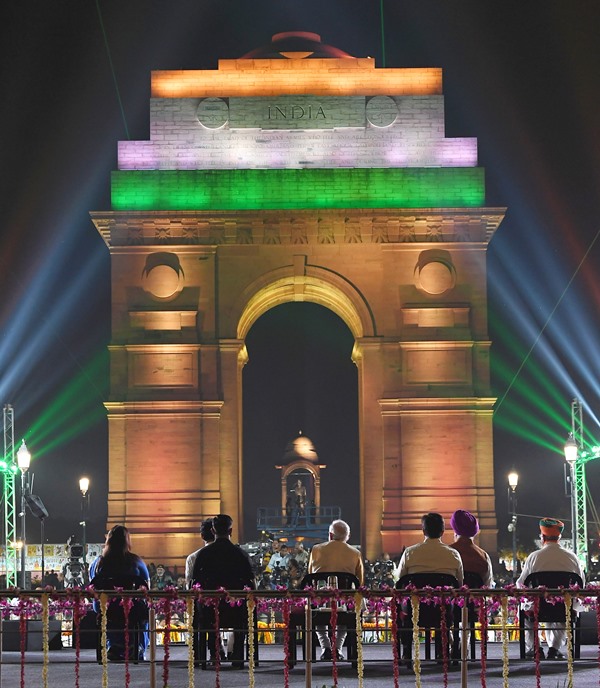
(340, 530)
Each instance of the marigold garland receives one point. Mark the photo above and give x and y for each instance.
(444, 638)
(568, 609)
(23, 638)
(536, 641)
(414, 600)
(45, 636)
(334, 618)
(286, 642)
(483, 618)
(103, 626)
(504, 634)
(358, 603)
(76, 631)
(251, 640)
(395, 642)
(217, 647)
(189, 617)
(127, 603)
(167, 642)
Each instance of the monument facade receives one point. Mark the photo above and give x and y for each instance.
(298, 173)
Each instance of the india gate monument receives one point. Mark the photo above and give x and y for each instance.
(298, 173)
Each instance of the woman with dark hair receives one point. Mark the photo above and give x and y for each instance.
(124, 568)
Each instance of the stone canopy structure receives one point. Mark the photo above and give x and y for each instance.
(298, 173)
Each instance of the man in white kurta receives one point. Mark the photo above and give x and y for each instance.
(552, 557)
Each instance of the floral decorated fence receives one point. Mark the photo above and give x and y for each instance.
(171, 615)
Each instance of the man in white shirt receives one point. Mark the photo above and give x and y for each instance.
(552, 557)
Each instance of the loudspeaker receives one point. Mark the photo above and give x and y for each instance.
(37, 506)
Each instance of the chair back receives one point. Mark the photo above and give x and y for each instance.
(552, 579)
(139, 609)
(423, 580)
(130, 582)
(472, 580)
(338, 579)
(429, 614)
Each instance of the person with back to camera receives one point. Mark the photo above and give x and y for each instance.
(429, 556)
(551, 557)
(118, 561)
(335, 555)
(474, 559)
(222, 564)
(207, 535)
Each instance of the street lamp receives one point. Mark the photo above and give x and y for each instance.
(84, 486)
(571, 455)
(513, 481)
(23, 462)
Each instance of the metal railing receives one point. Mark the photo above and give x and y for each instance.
(31, 620)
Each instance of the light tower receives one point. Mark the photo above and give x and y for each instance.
(9, 469)
(576, 456)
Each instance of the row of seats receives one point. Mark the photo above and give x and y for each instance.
(236, 617)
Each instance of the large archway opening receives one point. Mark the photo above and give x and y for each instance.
(300, 377)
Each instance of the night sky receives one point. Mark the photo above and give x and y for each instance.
(522, 77)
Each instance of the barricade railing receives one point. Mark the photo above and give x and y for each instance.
(23, 614)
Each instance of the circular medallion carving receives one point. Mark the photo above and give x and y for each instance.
(213, 113)
(382, 111)
(435, 277)
(162, 281)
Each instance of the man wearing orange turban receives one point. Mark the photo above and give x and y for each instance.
(551, 557)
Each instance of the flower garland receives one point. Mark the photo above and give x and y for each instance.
(334, 617)
(568, 609)
(536, 641)
(167, 641)
(23, 632)
(127, 603)
(396, 642)
(483, 624)
(414, 600)
(103, 625)
(286, 642)
(251, 640)
(504, 632)
(76, 630)
(598, 625)
(360, 666)
(189, 615)
(217, 648)
(45, 636)
(444, 638)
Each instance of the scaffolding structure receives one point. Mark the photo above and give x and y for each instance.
(9, 469)
(578, 487)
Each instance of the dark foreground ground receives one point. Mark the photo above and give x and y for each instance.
(378, 671)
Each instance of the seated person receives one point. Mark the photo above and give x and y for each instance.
(552, 557)
(118, 561)
(474, 559)
(429, 556)
(336, 555)
(225, 565)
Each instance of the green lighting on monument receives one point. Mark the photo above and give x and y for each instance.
(298, 189)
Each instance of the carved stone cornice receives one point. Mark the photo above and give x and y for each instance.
(338, 226)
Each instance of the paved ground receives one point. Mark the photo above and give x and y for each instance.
(378, 671)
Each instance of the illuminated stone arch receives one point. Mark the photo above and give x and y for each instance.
(318, 285)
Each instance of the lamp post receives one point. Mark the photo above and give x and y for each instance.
(571, 455)
(84, 486)
(513, 481)
(23, 462)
